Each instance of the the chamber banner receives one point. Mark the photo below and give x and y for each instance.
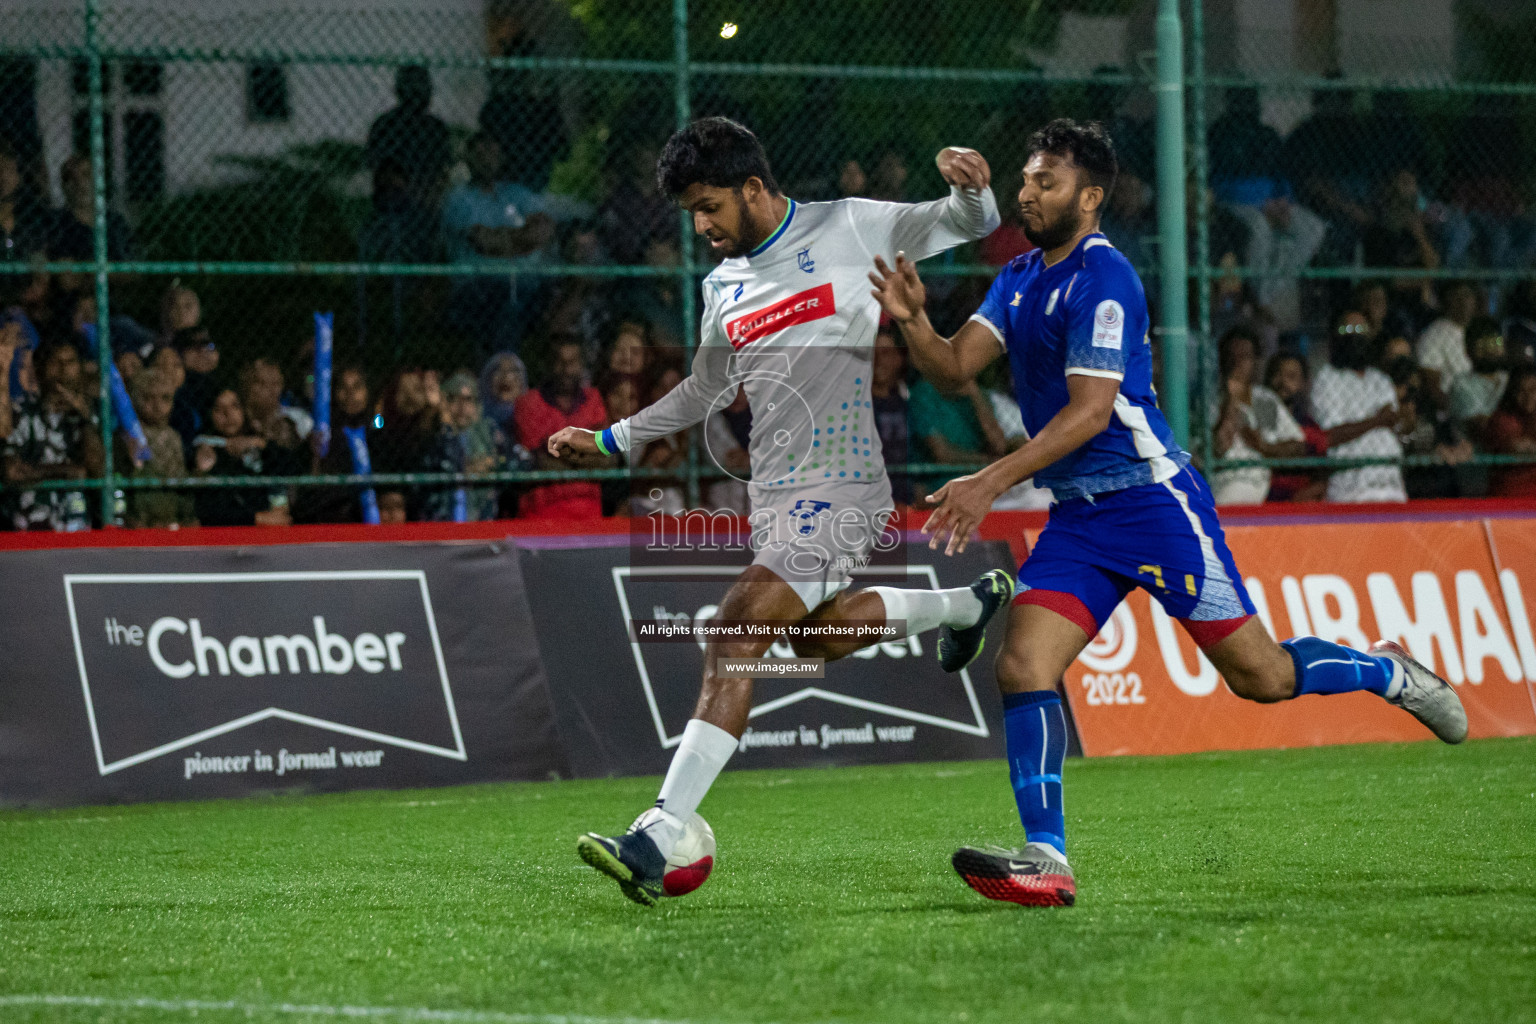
(167, 673)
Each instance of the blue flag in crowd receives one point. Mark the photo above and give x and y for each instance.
(323, 349)
(127, 419)
(362, 465)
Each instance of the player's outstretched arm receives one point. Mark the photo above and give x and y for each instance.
(709, 386)
(569, 442)
(968, 213)
(578, 447)
(950, 363)
(963, 168)
(965, 501)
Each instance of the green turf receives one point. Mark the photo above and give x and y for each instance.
(1346, 884)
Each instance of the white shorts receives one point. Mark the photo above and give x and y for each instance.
(813, 537)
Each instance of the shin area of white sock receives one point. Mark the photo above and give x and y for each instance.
(923, 610)
(703, 752)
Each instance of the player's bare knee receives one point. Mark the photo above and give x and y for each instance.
(1264, 682)
(1253, 665)
(1017, 672)
(1248, 686)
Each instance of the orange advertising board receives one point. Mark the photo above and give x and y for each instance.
(1142, 687)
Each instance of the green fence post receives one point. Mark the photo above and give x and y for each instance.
(686, 268)
(1169, 89)
(1201, 152)
(103, 313)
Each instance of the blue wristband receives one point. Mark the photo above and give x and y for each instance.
(604, 441)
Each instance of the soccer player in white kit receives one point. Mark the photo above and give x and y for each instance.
(789, 316)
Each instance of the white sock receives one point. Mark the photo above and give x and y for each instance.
(1398, 682)
(699, 758)
(1049, 849)
(928, 609)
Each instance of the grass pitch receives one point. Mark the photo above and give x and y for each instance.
(1357, 883)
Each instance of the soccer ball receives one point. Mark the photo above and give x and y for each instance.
(691, 860)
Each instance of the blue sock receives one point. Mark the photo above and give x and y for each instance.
(1036, 731)
(1324, 667)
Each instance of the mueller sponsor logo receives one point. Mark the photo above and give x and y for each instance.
(170, 660)
(800, 308)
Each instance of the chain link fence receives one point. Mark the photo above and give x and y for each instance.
(467, 188)
(1367, 233)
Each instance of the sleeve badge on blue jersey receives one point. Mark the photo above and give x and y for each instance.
(1108, 324)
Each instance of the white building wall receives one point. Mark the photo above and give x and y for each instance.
(1397, 40)
(204, 103)
(1085, 42)
(1266, 36)
(205, 112)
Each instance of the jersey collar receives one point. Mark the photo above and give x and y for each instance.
(1078, 252)
(778, 232)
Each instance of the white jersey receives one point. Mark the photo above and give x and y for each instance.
(794, 321)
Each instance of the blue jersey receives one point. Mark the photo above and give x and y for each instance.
(1085, 314)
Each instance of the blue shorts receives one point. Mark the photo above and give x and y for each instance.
(1164, 538)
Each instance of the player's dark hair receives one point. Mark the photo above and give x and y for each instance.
(713, 151)
(1086, 143)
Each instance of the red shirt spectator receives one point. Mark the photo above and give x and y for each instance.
(1512, 431)
(566, 400)
(1005, 243)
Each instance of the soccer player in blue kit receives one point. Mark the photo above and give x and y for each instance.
(1130, 511)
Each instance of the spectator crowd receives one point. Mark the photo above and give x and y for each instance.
(1380, 370)
(1380, 387)
(1391, 366)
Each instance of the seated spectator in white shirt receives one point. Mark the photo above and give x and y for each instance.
(1474, 395)
(1442, 348)
(1251, 422)
(1357, 405)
